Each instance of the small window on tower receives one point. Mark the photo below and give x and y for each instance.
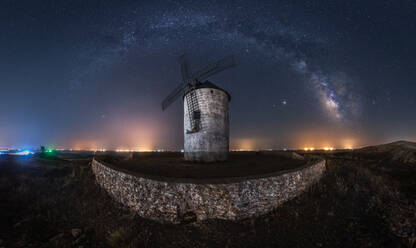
(197, 115)
(212, 92)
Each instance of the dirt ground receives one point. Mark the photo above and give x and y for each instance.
(360, 202)
(172, 165)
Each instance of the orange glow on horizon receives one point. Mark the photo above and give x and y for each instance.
(246, 144)
(122, 134)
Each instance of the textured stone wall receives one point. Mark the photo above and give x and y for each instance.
(175, 200)
(211, 143)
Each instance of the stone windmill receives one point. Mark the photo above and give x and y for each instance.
(206, 121)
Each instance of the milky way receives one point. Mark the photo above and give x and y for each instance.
(265, 36)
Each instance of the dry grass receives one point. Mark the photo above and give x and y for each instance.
(125, 237)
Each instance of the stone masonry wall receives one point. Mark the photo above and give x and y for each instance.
(171, 201)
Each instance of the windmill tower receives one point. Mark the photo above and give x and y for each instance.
(206, 121)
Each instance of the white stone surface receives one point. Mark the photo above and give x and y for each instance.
(211, 143)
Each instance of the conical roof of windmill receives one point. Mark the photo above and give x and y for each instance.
(207, 84)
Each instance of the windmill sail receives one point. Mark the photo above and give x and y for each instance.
(215, 68)
(175, 94)
(194, 113)
(186, 75)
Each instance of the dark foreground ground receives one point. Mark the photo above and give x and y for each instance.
(365, 199)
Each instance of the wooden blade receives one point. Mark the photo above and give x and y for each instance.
(175, 94)
(185, 68)
(214, 68)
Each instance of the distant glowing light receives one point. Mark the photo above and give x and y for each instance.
(138, 150)
(23, 153)
(98, 150)
(122, 150)
(349, 144)
(246, 144)
(328, 148)
(308, 148)
(242, 150)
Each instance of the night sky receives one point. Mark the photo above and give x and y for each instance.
(92, 74)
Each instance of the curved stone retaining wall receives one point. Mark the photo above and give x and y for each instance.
(172, 201)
